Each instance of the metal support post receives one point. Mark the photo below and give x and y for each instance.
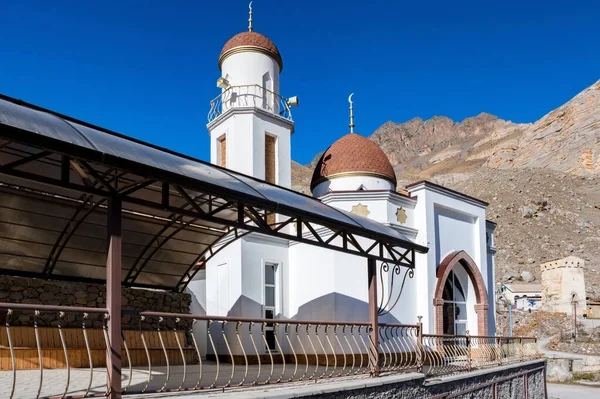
(113, 297)
(510, 320)
(373, 318)
(420, 349)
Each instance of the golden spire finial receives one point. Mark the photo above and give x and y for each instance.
(351, 113)
(250, 18)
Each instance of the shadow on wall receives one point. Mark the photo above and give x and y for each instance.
(330, 307)
(340, 307)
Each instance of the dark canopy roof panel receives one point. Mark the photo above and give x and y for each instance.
(56, 174)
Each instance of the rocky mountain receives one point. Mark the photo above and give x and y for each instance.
(542, 180)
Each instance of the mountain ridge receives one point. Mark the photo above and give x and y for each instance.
(515, 167)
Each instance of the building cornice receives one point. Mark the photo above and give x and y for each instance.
(436, 188)
(263, 239)
(386, 195)
(238, 110)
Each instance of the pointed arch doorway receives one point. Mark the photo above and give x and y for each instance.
(453, 298)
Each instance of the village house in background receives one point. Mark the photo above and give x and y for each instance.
(524, 296)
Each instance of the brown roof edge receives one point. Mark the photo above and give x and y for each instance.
(429, 183)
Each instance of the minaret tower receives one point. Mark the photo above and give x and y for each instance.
(250, 124)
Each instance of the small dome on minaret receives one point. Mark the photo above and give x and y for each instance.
(250, 41)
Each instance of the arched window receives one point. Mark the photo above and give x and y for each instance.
(455, 306)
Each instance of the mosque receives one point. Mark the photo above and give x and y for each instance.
(250, 126)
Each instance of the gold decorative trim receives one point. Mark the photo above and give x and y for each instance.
(251, 48)
(358, 173)
(361, 210)
(401, 216)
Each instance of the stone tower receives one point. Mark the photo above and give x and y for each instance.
(563, 285)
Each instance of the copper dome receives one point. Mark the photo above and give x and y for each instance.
(355, 155)
(250, 41)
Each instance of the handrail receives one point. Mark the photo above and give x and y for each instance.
(247, 351)
(249, 96)
(241, 319)
(51, 308)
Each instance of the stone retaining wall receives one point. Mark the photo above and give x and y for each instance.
(62, 293)
(413, 386)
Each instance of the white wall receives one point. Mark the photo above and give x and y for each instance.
(382, 206)
(352, 183)
(245, 130)
(248, 68)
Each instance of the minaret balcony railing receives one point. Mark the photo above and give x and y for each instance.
(249, 96)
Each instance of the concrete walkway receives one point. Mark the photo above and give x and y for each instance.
(569, 391)
(550, 354)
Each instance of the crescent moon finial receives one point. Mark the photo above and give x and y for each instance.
(250, 18)
(351, 113)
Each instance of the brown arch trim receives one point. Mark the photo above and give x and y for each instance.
(482, 305)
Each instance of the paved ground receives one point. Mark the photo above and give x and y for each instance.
(53, 382)
(568, 391)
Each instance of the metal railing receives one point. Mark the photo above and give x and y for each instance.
(163, 353)
(249, 96)
(445, 354)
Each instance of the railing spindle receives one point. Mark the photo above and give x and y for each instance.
(12, 353)
(177, 320)
(250, 325)
(287, 336)
(194, 321)
(61, 316)
(128, 362)
(39, 350)
(366, 348)
(323, 349)
(332, 351)
(237, 333)
(230, 353)
(275, 333)
(142, 318)
(303, 351)
(341, 347)
(212, 344)
(314, 352)
(89, 353)
(262, 331)
(162, 344)
(351, 351)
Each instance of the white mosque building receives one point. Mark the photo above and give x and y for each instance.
(250, 127)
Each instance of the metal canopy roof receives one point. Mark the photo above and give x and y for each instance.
(56, 174)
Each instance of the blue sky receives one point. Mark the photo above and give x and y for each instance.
(148, 68)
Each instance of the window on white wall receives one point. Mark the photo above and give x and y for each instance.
(222, 151)
(270, 303)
